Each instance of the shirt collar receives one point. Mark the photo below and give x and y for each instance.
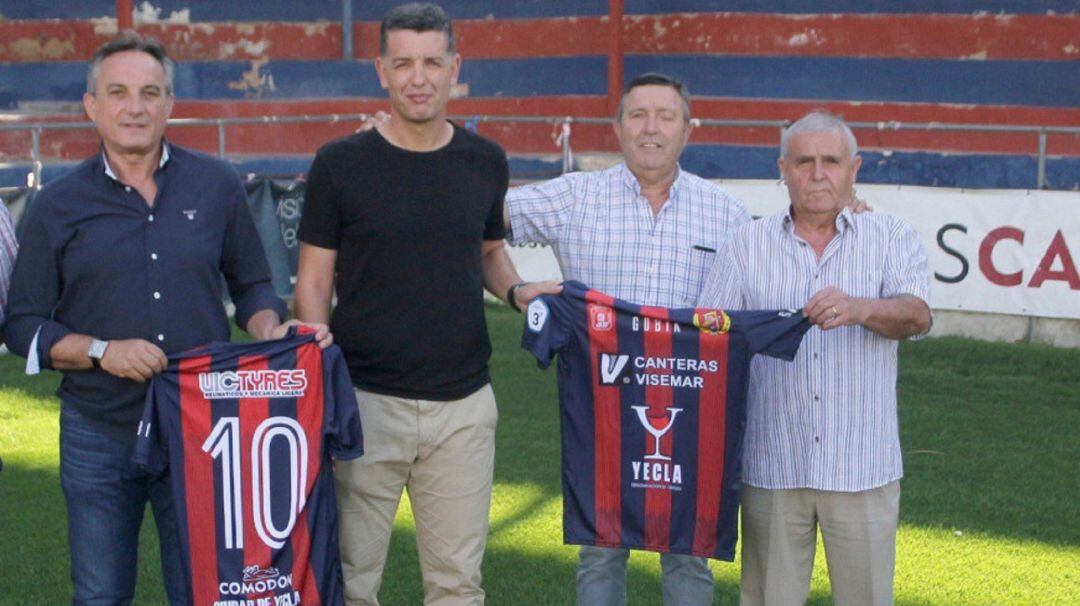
(109, 171)
(844, 221)
(634, 185)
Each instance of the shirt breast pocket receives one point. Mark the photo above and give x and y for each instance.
(863, 282)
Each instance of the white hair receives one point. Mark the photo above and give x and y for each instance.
(819, 121)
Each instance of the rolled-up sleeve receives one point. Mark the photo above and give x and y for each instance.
(243, 263)
(35, 290)
(539, 212)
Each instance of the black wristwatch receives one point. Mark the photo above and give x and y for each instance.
(511, 296)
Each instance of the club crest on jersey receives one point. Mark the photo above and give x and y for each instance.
(601, 317)
(714, 322)
(656, 469)
(253, 384)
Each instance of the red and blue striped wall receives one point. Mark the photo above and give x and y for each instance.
(1004, 62)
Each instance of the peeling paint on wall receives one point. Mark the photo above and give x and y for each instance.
(253, 83)
(39, 49)
(148, 13)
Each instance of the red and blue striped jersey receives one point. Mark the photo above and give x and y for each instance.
(653, 407)
(247, 432)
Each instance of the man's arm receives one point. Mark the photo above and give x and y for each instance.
(315, 283)
(896, 317)
(500, 274)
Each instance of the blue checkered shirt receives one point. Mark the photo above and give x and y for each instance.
(827, 420)
(603, 232)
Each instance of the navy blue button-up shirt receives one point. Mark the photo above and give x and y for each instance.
(96, 259)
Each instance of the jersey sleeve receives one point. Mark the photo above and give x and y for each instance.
(151, 452)
(773, 333)
(344, 437)
(545, 334)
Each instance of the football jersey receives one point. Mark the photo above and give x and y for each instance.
(247, 432)
(652, 408)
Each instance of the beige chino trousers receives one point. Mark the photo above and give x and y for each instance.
(443, 453)
(780, 536)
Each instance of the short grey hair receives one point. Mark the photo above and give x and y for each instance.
(129, 40)
(819, 121)
(656, 79)
(418, 17)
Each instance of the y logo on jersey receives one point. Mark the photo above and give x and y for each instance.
(657, 470)
(614, 369)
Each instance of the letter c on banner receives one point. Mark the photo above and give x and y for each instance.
(986, 251)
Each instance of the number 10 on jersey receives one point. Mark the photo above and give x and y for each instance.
(224, 444)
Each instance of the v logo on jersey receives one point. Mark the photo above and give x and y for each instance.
(614, 369)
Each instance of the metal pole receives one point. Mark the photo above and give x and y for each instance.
(220, 138)
(615, 54)
(125, 17)
(1040, 180)
(35, 153)
(346, 30)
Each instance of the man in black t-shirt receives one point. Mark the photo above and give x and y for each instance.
(405, 222)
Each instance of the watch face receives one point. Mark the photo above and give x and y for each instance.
(97, 349)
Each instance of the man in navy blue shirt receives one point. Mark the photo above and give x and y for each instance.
(121, 263)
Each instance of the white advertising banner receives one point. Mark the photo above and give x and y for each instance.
(998, 251)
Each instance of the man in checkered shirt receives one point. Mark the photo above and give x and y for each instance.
(644, 231)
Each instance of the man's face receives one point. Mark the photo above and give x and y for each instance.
(130, 105)
(653, 129)
(418, 73)
(819, 172)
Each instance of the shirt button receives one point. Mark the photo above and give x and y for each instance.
(817, 438)
(150, 218)
(157, 295)
(815, 356)
(153, 256)
(127, 188)
(161, 337)
(817, 399)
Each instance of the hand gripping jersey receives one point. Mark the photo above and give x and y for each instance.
(653, 406)
(247, 431)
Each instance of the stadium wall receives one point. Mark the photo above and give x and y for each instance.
(1006, 62)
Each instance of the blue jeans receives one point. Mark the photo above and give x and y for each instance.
(601, 578)
(106, 497)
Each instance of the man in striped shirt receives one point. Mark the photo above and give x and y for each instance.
(644, 231)
(822, 445)
(8, 248)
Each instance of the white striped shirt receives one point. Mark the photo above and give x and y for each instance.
(8, 248)
(827, 420)
(604, 234)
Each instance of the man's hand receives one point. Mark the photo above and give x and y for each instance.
(378, 119)
(134, 359)
(530, 290)
(832, 308)
(322, 332)
(858, 205)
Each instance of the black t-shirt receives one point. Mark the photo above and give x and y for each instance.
(408, 228)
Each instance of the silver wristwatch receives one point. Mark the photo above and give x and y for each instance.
(97, 351)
